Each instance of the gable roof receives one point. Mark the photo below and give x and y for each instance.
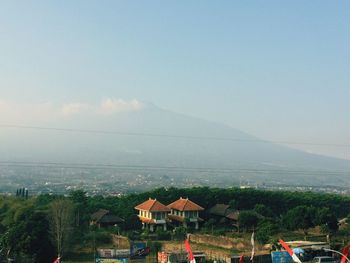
(224, 211)
(152, 205)
(219, 209)
(233, 215)
(109, 218)
(104, 216)
(99, 214)
(183, 204)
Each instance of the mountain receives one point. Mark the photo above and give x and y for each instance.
(169, 143)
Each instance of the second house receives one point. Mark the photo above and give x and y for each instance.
(185, 211)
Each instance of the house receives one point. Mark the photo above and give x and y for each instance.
(153, 213)
(224, 214)
(185, 211)
(103, 218)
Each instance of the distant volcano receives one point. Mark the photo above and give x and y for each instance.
(150, 136)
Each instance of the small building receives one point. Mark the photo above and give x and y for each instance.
(103, 218)
(224, 214)
(153, 213)
(185, 211)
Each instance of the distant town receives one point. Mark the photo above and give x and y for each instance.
(108, 182)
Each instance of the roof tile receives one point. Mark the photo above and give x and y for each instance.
(183, 204)
(152, 205)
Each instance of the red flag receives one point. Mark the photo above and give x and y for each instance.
(57, 260)
(345, 253)
(189, 251)
(285, 246)
(290, 251)
(241, 260)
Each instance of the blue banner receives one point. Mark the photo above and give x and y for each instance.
(138, 250)
(281, 257)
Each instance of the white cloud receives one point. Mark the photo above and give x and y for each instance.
(107, 106)
(13, 112)
(118, 105)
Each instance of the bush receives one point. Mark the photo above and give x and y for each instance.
(163, 235)
(103, 238)
(154, 246)
(265, 231)
(179, 233)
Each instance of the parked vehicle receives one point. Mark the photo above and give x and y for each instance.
(325, 259)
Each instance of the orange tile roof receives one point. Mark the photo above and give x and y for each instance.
(183, 204)
(152, 205)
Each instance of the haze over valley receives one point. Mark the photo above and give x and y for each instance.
(124, 145)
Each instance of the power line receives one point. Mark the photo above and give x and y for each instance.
(168, 135)
(66, 165)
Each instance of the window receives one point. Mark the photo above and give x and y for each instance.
(158, 215)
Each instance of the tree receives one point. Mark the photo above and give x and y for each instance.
(248, 219)
(327, 220)
(61, 216)
(27, 238)
(210, 224)
(80, 201)
(263, 210)
(300, 217)
(234, 204)
(266, 230)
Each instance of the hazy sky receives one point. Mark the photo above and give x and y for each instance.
(279, 70)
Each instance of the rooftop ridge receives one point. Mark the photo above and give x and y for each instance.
(152, 205)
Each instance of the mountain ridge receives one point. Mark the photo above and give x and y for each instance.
(157, 137)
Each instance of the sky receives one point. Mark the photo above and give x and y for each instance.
(279, 70)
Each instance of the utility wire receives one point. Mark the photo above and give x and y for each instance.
(168, 135)
(66, 165)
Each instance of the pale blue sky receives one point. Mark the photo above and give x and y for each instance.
(279, 70)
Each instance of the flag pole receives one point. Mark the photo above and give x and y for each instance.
(335, 251)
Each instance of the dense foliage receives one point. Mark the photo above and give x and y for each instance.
(25, 232)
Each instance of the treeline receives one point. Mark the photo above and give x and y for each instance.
(27, 233)
(278, 201)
